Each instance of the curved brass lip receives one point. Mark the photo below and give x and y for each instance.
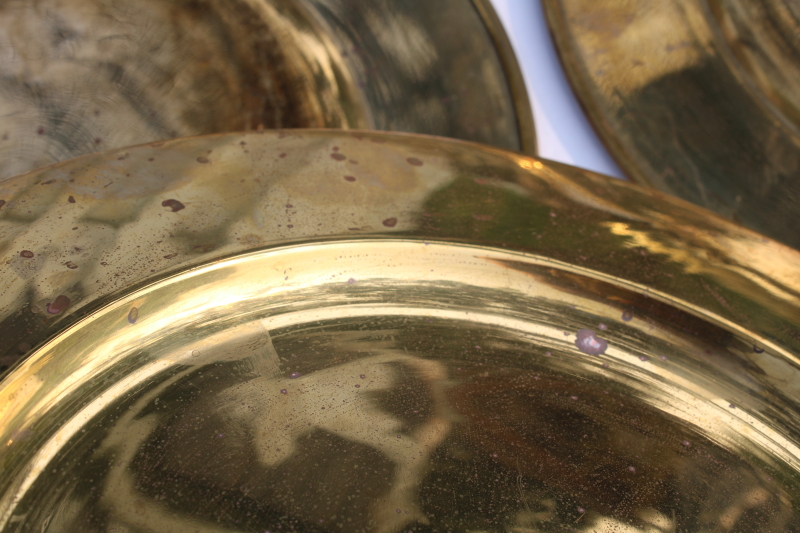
(431, 188)
(516, 81)
(742, 169)
(111, 301)
(525, 161)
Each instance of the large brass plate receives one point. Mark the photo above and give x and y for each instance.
(80, 76)
(698, 98)
(395, 385)
(321, 331)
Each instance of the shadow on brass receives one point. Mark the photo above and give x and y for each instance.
(696, 98)
(320, 331)
(85, 76)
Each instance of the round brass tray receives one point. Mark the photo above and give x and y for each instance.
(81, 76)
(321, 331)
(697, 98)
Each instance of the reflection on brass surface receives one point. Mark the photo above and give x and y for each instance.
(698, 98)
(82, 76)
(321, 331)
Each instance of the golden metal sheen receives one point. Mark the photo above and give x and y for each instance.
(347, 331)
(81, 76)
(697, 98)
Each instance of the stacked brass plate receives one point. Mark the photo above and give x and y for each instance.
(80, 76)
(698, 98)
(320, 331)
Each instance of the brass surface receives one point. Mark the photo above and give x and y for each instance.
(80, 76)
(513, 76)
(322, 331)
(698, 98)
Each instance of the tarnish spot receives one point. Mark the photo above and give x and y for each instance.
(589, 343)
(57, 306)
(173, 205)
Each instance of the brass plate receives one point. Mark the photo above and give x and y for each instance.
(81, 76)
(697, 98)
(321, 331)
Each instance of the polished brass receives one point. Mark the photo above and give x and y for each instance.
(80, 76)
(698, 98)
(322, 331)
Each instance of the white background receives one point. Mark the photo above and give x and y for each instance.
(563, 131)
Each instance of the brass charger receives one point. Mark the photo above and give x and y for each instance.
(82, 76)
(333, 331)
(698, 98)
